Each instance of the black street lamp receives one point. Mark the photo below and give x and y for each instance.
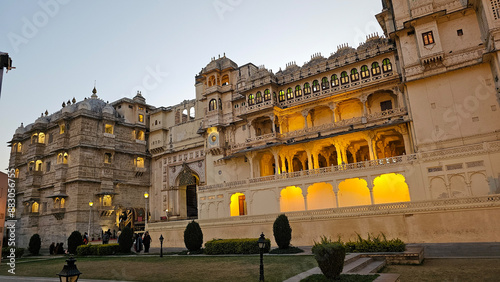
(161, 245)
(262, 245)
(69, 273)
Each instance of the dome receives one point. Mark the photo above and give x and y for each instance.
(68, 109)
(219, 64)
(20, 129)
(108, 109)
(84, 105)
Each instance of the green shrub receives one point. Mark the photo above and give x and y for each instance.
(126, 240)
(74, 240)
(330, 257)
(98, 250)
(193, 236)
(18, 252)
(234, 246)
(282, 231)
(377, 243)
(35, 244)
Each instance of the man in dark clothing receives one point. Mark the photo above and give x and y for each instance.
(146, 241)
(106, 236)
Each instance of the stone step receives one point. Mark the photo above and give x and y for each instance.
(350, 258)
(373, 267)
(356, 265)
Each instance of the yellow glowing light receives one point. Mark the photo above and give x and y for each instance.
(353, 192)
(146, 195)
(238, 204)
(320, 196)
(91, 204)
(292, 199)
(390, 188)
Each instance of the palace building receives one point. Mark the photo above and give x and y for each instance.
(399, 135)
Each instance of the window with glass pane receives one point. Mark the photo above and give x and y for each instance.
(267, 95)
(428, 38)
(386, 65)
(258, 97)
(307, 88)
(289, 93)
(375, 68)
(335, 80)
(354, 75)
(315, 86)
(365, 72)
(344, 78)
(251, 99)
(324, 83)
(281, 96)
(212, 105)
(298, 91)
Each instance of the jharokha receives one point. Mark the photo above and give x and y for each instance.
(400, 135)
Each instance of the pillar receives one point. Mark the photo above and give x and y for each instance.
(283, 164)
(250, 157)
(309, 160)
(304, 193)
(276, 163)
(333, 106)
(272, 117)
(304, 114)
(335, 186)
(369, 183)
(316, 160)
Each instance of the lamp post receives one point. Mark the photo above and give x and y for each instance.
(146, 196)
(161, 245)
(90, 217)
(69, 273)
(166, 211)
(262, 246)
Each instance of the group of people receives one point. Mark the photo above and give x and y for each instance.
(56, 249)
(139, 241)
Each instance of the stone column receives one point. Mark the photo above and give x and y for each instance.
(304, 114)
(406, 138)
(309, 160)
(272, 117)
(369, 183)
(289, 158)
(333, 106)
(304, 193)
(363, 100)
(400, 96)
(335, 186)
(250, 157)
(283, 164)
(316, 160)
(276, 161)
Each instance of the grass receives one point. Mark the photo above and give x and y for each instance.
(343, 278)
(448, 270)
(289, 250)
(172, 268)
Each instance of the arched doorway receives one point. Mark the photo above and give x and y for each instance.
(187, 182)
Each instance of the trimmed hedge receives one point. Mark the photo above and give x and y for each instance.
(330, 257)
(35, 244)
(282, 231)
(6, 252)
(378, 243)
(234, 246)
(193, 236)
(98, 250)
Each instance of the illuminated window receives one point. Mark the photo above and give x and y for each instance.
(281, 96)
(390, 188)
(365, 72)
(17, 173)
(35, 207)
(108, 128)
(19, 147)
(307, 88)
(62, 128)
(386, 65)
(428, 38)
(335, 80)
(225, 80)
(298, 91)
(212, 105)
(140, 135)
(41, 138)
(63, 203)
(289, 93)
(344, 78)
(141, 118)
(34, 138)
(267, 95)
(139, 162)
(238, 204)
(354, 75)
(375, 68)
(106, 200)
(107, 158)
(324, 83)
(315, 86)
(65, 158)
(291, 199)
(251, 100)
(353, 192)
(62, 158)
(258, 97)
(38, 165)
(31, 166)
(211, 81)
(141, 108)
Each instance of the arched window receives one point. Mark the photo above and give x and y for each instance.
(59, 158)
(267, 95)
(335, 80)
(354, 75)
(289, 93)
(375, 68)
(35, 207)
(38, 165)
(62, 128)
(63, 203)
(225, 80)
(386, 65)
(41, 138)
(281, 96)
(65, 158)
(191, 113)
(108, 128)
(298, 91)
(251, 100)
(258, 97)
(212, 105)
(140, 135)
(344, 78)
(19, 147)
(34, 138)
(365, 72)
(107, 158)
(315, 86)
(17, 173)
(211, 81)
(324, 83)
(139, 162)
(307, 88)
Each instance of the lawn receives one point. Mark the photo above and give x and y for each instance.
(448, 270)
(172, 268)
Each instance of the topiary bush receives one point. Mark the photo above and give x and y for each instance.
(330, 257)
(282, 231)
(74, 240)
(126, 240)
(193, 236)
(35, 244)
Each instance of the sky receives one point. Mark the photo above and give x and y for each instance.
(60, 48)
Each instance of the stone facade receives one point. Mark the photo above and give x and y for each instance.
(401, 124)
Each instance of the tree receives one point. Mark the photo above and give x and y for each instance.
(35, 244)
(126, 240)
(193, 236)
(74, 240)
(282, 231)
(330, 257)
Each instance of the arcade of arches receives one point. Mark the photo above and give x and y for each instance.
(386, 188)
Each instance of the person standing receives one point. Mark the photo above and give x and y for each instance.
(138, 243)
(106, 236)
(52, 248)
(85, 238)
(146, 241)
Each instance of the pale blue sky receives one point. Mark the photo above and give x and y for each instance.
(60, 47)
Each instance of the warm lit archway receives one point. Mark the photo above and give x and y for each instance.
(291, 199)
(238, 204)
(390, 188)
(353, 192)
(320, 196)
